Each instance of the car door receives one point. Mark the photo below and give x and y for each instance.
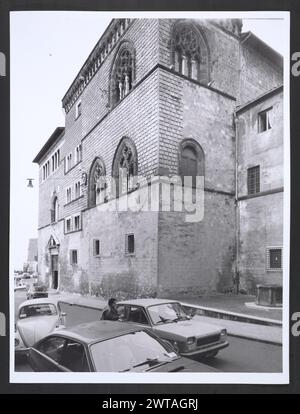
(74, 357)
(46, 355)
(137, 315)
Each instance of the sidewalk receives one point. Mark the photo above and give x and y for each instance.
(261, 333)
(232, 303)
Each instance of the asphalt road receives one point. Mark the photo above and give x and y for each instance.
(242, 355)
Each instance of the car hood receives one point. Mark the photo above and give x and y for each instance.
(183, 365)
(186, 329)
(35, 328)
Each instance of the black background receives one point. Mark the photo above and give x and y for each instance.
(136, 389)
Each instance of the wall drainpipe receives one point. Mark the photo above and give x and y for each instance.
(237, 218)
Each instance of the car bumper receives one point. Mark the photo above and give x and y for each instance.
(207, 349)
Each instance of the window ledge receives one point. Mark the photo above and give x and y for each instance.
(72, 231)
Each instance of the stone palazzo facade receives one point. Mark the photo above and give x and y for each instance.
(162, 98)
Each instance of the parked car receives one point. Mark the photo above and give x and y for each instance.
(37, 291)
(168, 319)
(20, 286)
(106, 346)
(35, 319)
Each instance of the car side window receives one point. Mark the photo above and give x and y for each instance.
(74, 357)
(137, 314)
(52, 347)
(123, 311)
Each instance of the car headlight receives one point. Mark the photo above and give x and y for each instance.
(191, 340)
(223, 333)
(190, 343)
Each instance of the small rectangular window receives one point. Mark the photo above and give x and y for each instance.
(96, 247)
(77, 222)
(129, 244)
(78, 109)
(68, 225)
(274, 258)
(78, 153)
(253, 179)
(73, 257)
(77, 189)
(68, 195)
(264, 120)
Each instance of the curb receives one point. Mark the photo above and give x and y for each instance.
(233, 316)
(251, 338)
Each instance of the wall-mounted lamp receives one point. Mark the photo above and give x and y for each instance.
(30, 183)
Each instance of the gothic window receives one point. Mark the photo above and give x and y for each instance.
(191, 160)
(125, 166)
(123, 73)
(189, 52)
(96, 181)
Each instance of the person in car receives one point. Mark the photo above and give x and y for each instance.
(111, 313)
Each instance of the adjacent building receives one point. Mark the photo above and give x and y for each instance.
(164, 98)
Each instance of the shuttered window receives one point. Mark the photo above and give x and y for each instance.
(254, 180)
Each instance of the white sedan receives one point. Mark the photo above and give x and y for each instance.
(169, 321)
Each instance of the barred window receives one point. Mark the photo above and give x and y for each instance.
(68, 225)
(253, 180)
(73, 257)
(274, 258)
(77, 222)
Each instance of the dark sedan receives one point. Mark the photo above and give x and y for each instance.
(105, 346)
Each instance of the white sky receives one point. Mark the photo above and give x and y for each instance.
(47, 51)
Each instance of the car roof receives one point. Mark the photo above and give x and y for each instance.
(50, 299)
(97, 331)
(146, 302)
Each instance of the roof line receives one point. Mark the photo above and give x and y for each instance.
(55, 136)
(259, 98)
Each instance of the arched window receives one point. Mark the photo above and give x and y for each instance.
(54, 209)
(189, 52)
(123, 73)
(125, 166)
(191, 160)
(96, 180)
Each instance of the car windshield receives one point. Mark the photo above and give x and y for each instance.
(41, 309)
(167, 312)
(137, 352)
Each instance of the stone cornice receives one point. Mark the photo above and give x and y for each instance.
(108, 41)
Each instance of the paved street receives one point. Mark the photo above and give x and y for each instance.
(242, 355)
